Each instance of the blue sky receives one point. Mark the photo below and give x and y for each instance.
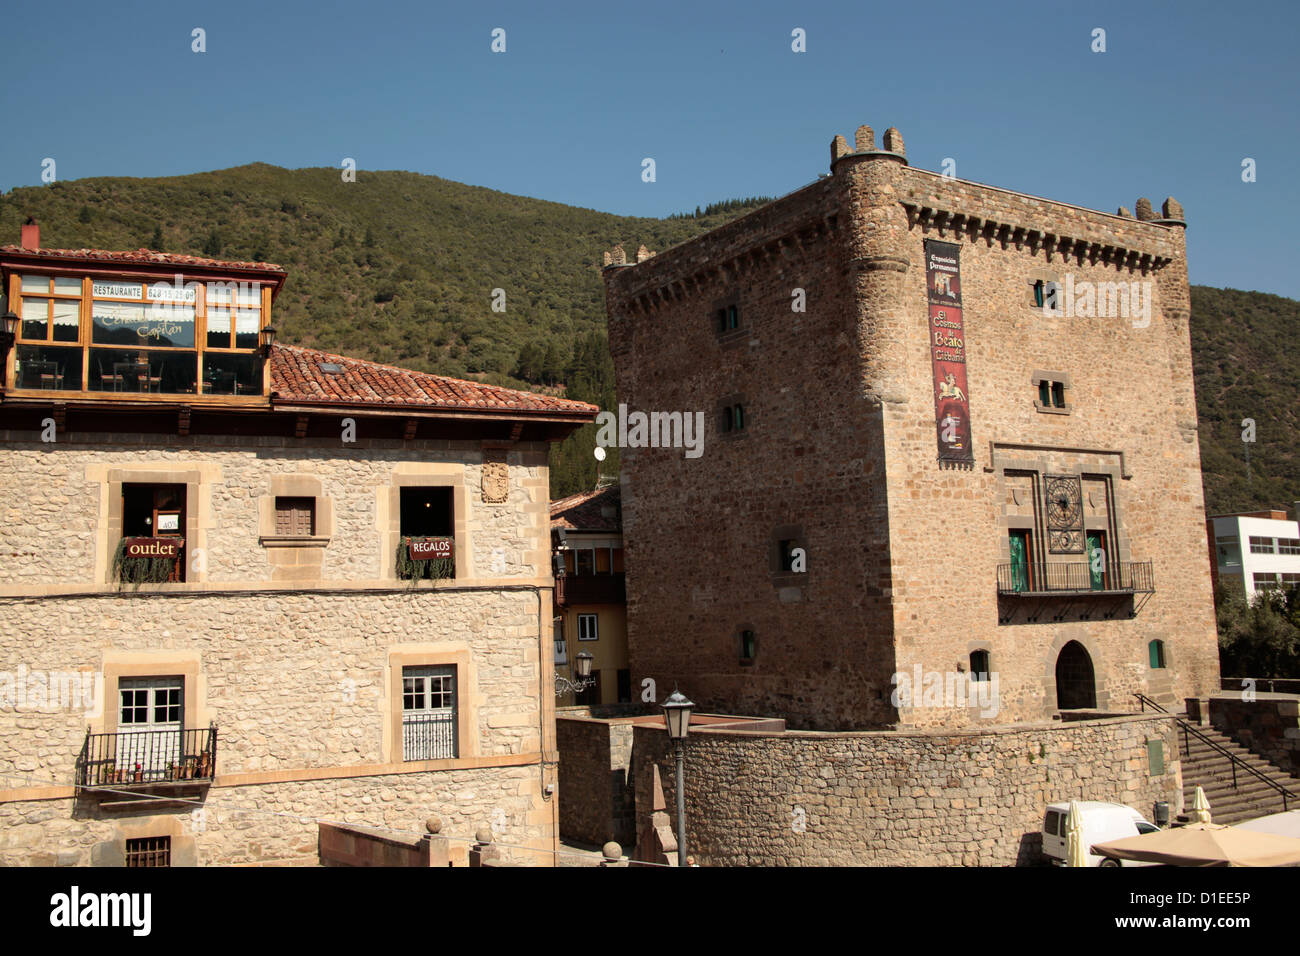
(711, 91)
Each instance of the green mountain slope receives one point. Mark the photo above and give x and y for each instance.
(400, 267)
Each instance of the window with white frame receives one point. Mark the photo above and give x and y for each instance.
(1288, 545)
(1260, 545)
(587, 627)
(150, 724)
(429, 713)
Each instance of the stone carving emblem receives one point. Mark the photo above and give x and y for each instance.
(496, 478)
(1064, 514)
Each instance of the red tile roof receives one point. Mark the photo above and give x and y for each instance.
(145, 257)
(586, 511)
(297, 378)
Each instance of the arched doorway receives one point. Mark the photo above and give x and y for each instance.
(1076, 688)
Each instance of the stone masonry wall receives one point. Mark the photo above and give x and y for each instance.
(1268, 726)
(839, 452)
(702, 533)
(595, 792)
(909, 799)
(57, 502)
(275, 824)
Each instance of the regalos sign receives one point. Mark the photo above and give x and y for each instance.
(948, 351)
(430, 549)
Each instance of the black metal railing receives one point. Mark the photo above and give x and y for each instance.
(148, 757)
(1190, 731)
(429, 736)
(1075, 578)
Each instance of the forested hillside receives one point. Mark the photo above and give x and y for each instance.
(401, 268)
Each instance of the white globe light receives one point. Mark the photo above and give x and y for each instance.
(600, 453)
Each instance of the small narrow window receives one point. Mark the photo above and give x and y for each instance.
(979, 665)
(1045, 394)
(748, 647)
(295, 517)
(1039, 293)
(727, 419)
(787, 554)
(1156, 652)
(149, 851)
(733, 318)
(738, 417)
(588, 627)
(1058, 394)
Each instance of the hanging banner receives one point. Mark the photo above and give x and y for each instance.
(948, 351)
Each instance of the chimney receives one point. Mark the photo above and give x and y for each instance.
(31, 234)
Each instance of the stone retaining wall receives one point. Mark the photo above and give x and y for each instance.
(889, 799)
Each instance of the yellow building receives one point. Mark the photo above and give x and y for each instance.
(590, 597)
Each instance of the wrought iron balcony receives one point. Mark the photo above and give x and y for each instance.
(1038, 580)
(136, 757)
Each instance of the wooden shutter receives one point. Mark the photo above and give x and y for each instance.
(295, 517)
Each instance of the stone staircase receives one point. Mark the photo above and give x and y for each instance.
(1210, 769)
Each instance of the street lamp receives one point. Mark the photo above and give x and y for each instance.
(266, 338)
(677, 717)
(581, 670)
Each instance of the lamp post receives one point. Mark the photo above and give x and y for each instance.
(677, 716)
(581, 670)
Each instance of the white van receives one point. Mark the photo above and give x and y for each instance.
(1102, 822)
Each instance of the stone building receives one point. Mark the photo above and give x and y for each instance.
(590, 599)
(951, 442)
(246, 586)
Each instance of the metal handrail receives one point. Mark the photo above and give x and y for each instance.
(1143, 700)
(1044, 578)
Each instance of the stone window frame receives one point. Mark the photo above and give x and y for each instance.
(1032, 280)
(977, 647)
(780, 577)
(112, 852)
(187, 665)
(389, 518)
(197, 479)
(726, 336)
(468, 702)
(726, 404)
(1040, 376)
(1037, 461)
(295, 486)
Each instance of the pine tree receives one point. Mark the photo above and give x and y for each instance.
(156, 242)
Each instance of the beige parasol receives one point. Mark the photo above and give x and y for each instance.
(1200, 807)
(1076, 854)
(1205, 844)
